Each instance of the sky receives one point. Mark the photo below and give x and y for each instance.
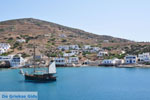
(129, 19)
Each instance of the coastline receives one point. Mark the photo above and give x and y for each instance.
(134, 66)
(117, 66)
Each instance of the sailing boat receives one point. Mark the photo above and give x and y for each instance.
(41, 76)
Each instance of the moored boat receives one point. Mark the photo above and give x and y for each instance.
(41, 76)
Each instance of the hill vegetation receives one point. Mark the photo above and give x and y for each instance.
(48, 36)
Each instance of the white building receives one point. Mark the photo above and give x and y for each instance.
(62, 35)
(60, 61)
(74, 47)
(95, 49)
(21, 40)
(102, 53)
(106, 41)
(15, 61)
(63, 47)
(68, 54)
(75, 52)
(68, 47)
(123, 52)
(130, 59)
(91, 63)
(5, 58)
(47, 35)
(86, 62)
(73, 60)
(86, 47)
(2, 51)
(145, 57)
(112, 62)
(4, 47)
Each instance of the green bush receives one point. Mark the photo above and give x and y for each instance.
(52, 55)
(1, 30)
(10, 40)
(53, 39)
(85, 53)
(16, 44)
(19, 48)
(64, 40)
(24, 55)
(6, 53)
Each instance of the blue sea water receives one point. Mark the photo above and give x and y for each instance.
(85, 83)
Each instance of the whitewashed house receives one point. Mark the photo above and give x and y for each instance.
(2, 51)
(74, 47)
(145, 57)
(68, 54)
(106, 41)
(95, 49)
(130, 59)
(63, 47)
(73, 60)
(21, 40)
(91, 63)
(123, 52)
(86, 47)
(68, 47)
(15, 61)
(102, 53)
(4, 47)
(60, 61)
(112, 62)
(86, 62)
(47, 35)
(62, 35)
(75, 52)
(5, 58)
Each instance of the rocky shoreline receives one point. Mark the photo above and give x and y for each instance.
(134, 65)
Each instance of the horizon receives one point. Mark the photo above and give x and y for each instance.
(121, 19)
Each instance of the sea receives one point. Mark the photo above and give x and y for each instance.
(84, 83)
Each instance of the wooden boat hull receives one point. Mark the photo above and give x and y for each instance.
(40, 78)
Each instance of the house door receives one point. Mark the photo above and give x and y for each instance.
(130, 61)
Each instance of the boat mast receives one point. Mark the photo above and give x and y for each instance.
(34, 57)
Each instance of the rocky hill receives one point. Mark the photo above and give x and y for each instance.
(47, 36)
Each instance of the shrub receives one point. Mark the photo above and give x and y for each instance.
(10, 40)
(19, 48)
(53, 39)
(6, 53)
(16, 45)
(24, 55)
(64, 40)
(1, 30)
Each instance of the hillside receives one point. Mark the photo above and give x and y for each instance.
(48, 36)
